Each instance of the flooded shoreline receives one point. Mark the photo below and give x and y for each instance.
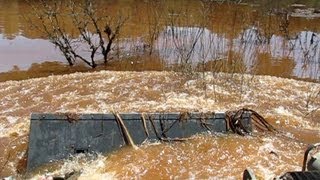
(254, 41)
(171, 56)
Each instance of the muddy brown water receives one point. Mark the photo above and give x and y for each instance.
(232, 33)
(259, 42)
(282, 103)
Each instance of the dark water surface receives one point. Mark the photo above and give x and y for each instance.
(260, 41)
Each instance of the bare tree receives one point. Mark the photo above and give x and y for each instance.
(96, 31)
(155, 17)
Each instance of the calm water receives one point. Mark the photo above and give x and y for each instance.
(259, 42)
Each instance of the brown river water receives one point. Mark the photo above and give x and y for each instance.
(284, 89)
(260, 42)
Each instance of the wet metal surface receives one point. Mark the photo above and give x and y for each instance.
(54, 137)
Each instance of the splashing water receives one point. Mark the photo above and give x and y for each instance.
(288, 104)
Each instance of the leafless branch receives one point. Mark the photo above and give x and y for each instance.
(85, 20)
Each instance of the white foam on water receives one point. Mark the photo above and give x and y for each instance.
(101, 92)
(12, 120)
(91, 169)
